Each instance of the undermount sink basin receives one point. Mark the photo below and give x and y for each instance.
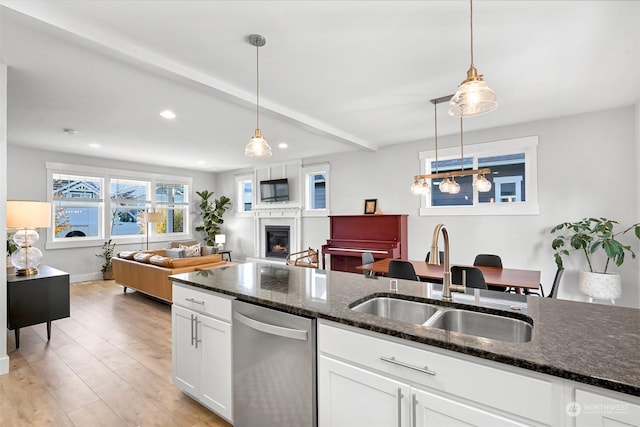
(397, 309)
(483, 325)
(463, 321)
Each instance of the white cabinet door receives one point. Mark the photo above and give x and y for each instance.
(594, 409)
(185, 357)
(435, 410)
(352, 397)
(215, 346)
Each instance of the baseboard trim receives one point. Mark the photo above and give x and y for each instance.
(4, 365)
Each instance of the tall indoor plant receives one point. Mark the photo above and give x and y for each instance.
(107, 253)
(588, 237)
(212, 211)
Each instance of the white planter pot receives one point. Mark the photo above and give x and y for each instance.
(600, 285)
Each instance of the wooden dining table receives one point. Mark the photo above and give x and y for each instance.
(519, 279)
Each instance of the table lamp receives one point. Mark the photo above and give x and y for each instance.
(26, 216)
(151, 217)
(220, 240)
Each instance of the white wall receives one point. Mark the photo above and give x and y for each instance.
(81, 263)
(4, 359)
(576, 158)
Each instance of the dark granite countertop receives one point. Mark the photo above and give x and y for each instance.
(589, 343)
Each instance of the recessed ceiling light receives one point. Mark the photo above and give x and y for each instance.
(201, 162)
(283, 145)
(94, 145)
(70, 131)
(168, 114)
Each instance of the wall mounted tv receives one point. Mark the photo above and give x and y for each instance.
(274, 190)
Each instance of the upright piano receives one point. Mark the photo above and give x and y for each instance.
(385, 236)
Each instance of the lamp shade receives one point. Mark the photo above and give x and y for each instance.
(154, 216)
(221, 238)
(28, 214)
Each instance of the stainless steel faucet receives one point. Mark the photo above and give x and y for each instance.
(434, 259)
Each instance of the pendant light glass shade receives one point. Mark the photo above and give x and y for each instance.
(454, 187)
(257, 146)
(482, 184)
(444, 185)
(473, 96)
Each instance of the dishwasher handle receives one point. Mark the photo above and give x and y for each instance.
(267, 328)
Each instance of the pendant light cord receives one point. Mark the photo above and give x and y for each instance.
(257, 87)
(471, 26)
(435, 118)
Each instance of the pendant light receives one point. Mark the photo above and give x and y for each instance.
(257, 146)
(473, 97)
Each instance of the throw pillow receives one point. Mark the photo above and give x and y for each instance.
(175, 253)
(191, 251)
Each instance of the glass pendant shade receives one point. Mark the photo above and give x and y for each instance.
(483, 184)
(454, 187)
(473, 97)
(257, 146)
(416, 187)
(444, 185)
(425, 188)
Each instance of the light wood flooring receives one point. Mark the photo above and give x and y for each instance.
(109, 364)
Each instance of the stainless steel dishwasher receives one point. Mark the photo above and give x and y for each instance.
(274, 368)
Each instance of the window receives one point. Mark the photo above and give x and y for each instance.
(316, 196)
(92, 205)
(513, 165)
(77, 204)
(244, 194)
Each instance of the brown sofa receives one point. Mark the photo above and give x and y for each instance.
(149, 271)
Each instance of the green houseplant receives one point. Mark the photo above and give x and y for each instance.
(107, 253)
(11, 248)
(212, 211)
(588, 237)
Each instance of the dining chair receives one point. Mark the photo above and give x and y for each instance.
(402, 270)
(490, 260)
(556, 284)
(367, 258)
(441, 256)
(474, 277)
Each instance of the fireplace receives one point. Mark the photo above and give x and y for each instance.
(277, 241)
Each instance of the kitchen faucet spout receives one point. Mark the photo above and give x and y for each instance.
(447, 287)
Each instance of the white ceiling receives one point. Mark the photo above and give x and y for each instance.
(334, 75)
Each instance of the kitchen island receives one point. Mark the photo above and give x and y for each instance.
(591, 344)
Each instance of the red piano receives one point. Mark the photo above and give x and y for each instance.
(385, 236)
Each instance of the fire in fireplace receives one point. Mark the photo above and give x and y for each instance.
(277, 241)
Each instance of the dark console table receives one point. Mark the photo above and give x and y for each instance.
(39, 298)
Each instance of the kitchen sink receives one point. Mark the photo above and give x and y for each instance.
(398, 309)
(486, 325)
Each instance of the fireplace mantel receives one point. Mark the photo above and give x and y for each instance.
(283, 215)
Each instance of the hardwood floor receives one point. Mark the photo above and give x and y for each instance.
(109, 364)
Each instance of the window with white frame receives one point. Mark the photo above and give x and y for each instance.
(244, 194)
(316, 189)
(95, 204)
(513, 176)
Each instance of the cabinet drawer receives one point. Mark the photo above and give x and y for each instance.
(203, 301)
(483, 382)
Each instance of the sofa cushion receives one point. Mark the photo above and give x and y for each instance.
(175, 253)
(186, 262)
(142, 257)
(191, 251)
(162, 261)
(208, 250)
(127, 254)
(177, 243)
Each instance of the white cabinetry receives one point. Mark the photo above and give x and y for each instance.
(595, 407)
(201, 342)
(367, 379)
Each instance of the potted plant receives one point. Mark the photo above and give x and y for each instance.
(588, 237)
(107, 254)
(212, 212)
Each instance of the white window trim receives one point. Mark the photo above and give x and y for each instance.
(527, 145)
(107, 174)
(305, 171)
(239, 199)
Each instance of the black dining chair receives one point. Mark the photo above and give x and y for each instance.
(441, 256)
(402, 270)
(367, 258)
(474, 277)
(556, 284)
(490, 260)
